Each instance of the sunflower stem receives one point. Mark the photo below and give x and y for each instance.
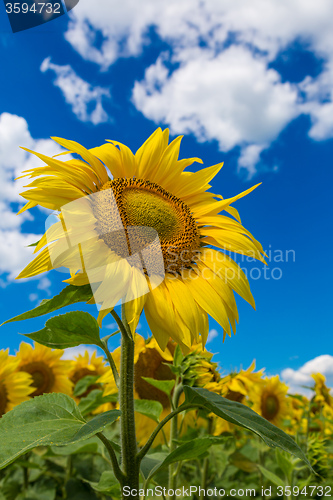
(173, 438)
(130, 463)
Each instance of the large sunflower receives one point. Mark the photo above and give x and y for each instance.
(148, 203)
(48, 372)
(270, 400)
(15, 387)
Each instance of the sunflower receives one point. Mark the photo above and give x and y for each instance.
(199, 370)
(87, 364)
(270, 400)
(236, 386)
(15, 387)
(141, 229)
(323, 393)
(48, 372)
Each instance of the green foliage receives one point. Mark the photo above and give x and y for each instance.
(241, 415)
(51, 419)
(69, 295)
(68, 330)
(151, 409)
(165, 386)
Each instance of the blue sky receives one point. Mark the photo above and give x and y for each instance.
(252, 91)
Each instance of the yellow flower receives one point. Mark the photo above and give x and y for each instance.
(270, 400)
(236, 386)
(122, 201)
(84, 365)
(48, 372)
(323, 394)
(15, 387)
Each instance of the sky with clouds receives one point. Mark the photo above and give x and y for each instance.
(247, 83)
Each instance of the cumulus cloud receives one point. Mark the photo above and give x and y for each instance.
(78, 93)
(14, 251)
(302, 377)
(231, 98)
(215, 81)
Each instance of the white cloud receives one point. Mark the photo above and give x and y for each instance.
(79, 93)
(33, 297)
(212, 335)
(220, 86)
(296, 378)
(14, 132)
(44, 285)
(72, 352)
(232, 98)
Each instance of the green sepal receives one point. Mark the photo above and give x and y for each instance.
(69, 295)
(68, 330)
(51, 419)
(242, 415)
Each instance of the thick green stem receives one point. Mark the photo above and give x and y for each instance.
(205, 469)
(130, 463)
(173, 438)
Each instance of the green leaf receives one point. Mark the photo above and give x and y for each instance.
(84, 383)
(69, 295)
(89, 446)
(243, 416)
(151, 409)
(51, 419)
(150, 462)
(187, 451)
(68, 330)
(273, 478)
(163, 385)
(107, 484)
(95, 399)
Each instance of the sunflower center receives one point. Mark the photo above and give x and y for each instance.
(270, 407)
(3, 399)
(43, 377)
(235, 396)
(143, 203)
(151, 364)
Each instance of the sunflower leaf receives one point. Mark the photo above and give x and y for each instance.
(69, 295)
(187, 451)
(68, 330)
(149, 408)
(51, 419)
(243, 416)
(163, 385)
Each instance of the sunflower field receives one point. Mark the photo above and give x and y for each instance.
(213, 453)
(155, 418)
